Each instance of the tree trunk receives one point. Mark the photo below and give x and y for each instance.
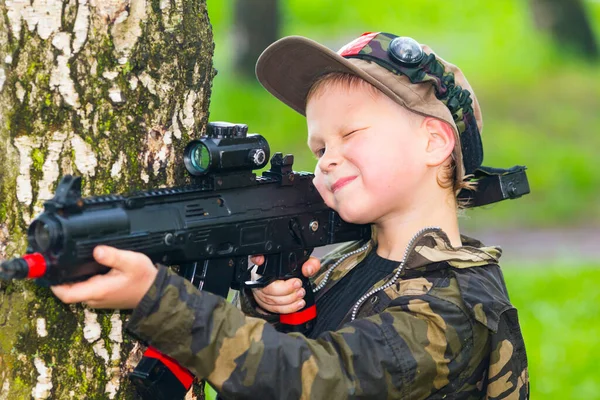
(110, 90)
(256, 25)
(569, 24)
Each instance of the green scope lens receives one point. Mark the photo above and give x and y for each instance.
(200, 157)
(42, 236)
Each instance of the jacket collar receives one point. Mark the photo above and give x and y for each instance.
(434, 247)
(429, 248)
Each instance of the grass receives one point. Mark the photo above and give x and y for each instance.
(559, 310)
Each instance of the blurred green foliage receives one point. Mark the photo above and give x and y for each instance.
(541, 108)
(541, 103)
(559, 310)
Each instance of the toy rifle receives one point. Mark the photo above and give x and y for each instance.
(208, 229)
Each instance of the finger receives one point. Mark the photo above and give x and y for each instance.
(311, 266)
(279, 300)
(282, 288)
(82, 291)
(118, 259)
(258, 259)
(286, 309)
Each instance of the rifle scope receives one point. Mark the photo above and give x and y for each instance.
(226, 147)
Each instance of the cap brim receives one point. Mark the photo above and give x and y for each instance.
(289, 67)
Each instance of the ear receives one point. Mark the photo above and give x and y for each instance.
(440, 141)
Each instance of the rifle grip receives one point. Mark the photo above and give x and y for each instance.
(301, 321)
(160, 377)
(287, 267)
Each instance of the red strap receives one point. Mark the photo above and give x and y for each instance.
(300, 317)
(355, 46)
(185, 377)
(37, 265)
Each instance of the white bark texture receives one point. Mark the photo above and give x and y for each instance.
(110, 90)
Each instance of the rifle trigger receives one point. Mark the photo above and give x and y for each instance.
(260, 282)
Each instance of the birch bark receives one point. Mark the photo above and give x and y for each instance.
(110, 90)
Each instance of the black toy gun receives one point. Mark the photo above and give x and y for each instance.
(208, 229)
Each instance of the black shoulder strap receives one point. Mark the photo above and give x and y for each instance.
(496, 184)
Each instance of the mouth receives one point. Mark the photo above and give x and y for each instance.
(340, 183)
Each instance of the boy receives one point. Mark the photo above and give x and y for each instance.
(395, 131)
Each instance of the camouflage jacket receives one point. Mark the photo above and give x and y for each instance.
(441, 327)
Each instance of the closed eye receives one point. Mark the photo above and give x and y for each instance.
(354, 131)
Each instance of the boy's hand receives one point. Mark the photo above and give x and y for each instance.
(124, 286)
(284, 297)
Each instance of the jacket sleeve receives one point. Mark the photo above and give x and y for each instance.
(409, 350)
(508, 375)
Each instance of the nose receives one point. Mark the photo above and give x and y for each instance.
(330, 159)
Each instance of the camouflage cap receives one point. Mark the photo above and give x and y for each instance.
(289, 67)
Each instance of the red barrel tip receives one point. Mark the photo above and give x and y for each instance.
(37, 265)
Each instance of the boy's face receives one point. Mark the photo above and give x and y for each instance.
(370, 153)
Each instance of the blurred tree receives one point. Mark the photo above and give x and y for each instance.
(256, 25)
(568, 22)
(111, 91)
